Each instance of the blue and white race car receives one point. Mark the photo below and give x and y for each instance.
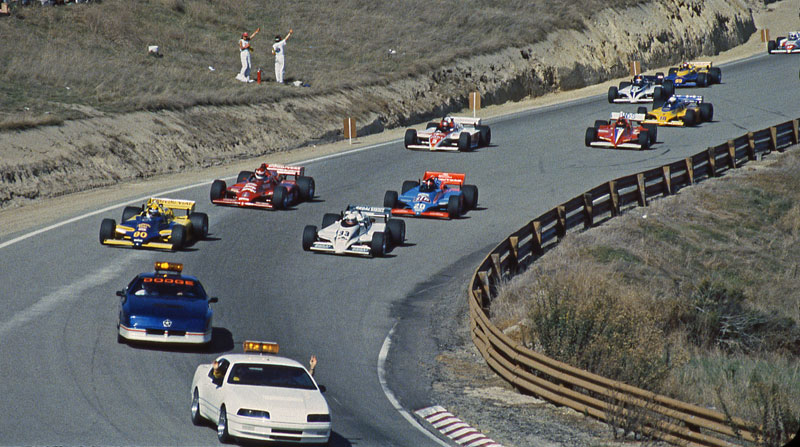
(165, 306)
(439, 194)
(642, 88)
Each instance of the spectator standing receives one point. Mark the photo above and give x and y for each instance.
(279, 50)
(244, 55)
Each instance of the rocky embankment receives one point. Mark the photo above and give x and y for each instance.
(107, 149)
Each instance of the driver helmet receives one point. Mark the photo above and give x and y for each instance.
(350, 219)
(261, 172)
(794, 35)
(638, 79)
(153, 211)
(430, 184)
(672, 100)
(686, 65)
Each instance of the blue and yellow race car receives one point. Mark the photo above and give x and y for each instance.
(439, 194)
(165, 306)
(156, 225)
(694, 74)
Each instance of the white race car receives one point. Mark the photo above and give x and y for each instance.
(450, 134)
(359, 230)
(260, 396)
(787, 45)
(642, 88)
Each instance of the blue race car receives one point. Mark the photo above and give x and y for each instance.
(156, 225)
(694, 74)
(440, 194)
(166, 307)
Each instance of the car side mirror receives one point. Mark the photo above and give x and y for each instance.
(213, 300)
(120, 292)
(322, 388)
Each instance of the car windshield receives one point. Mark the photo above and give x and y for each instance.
(260, 374)
(166, 287)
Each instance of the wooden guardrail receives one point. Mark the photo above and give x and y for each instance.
(662, 417)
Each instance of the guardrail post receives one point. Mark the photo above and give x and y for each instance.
(513, 241)
(588, 215)
(561, 222)
(666, 173)
(773, 139)
(751, 141)
(732, 154)
(498, 267)
(689, 171)
(641, 189)
(712, 162)
(486, 299)
(536, 237)
(612, 191)
(795, 136)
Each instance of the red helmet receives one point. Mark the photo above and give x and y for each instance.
(261, 172)
(245, 35)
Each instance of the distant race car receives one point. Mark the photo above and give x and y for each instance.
(359, 230)
(165, 306)
(439, 194)
(259, 395)
(155, 225)
(679, 110)
(785, 45)
(270, 186)
(642, 88)
(694, 74)
(450, 134)
(624, 131)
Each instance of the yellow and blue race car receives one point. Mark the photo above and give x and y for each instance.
(156, 225)
(679, 110)
(694, 74)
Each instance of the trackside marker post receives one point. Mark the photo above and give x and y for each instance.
(635, 68)
(350, 129)
(474, 103)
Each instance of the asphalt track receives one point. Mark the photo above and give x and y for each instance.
(66, 381)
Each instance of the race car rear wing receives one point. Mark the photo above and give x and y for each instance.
(701, 64)
(448, 178)
(287, 170)
(466, 121)
(371, 211)
(173, 204)
(689, 98)
(631, 116)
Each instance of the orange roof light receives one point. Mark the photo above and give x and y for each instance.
(264, 347)
(169, 266)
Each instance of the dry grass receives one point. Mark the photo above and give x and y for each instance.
(95, 54)
(703, 284)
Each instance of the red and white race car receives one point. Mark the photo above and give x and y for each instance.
(787, 45)
(270, 186)
(450, 134)
(624, 131)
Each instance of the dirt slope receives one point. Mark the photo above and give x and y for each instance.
(109, 149)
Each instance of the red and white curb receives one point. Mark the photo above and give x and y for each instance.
(454, 428)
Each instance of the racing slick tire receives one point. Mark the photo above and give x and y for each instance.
(307, 187)
(108, 229)
(329, 219)
(377, 247)
(591, 136)
(390, 199)
(658, 92)
(612, 94)
(195, 409)
(129, 212)
(771, 46)
(706, 112)
(702, 79)
(485, 135)
(689, 119)
(281, 198)
(470, 193)
(642, 110)
(397, 231)
(243, 176)
(178, 237)
(454, 206)
(715, 75)
(199, 225)
(667, 88)
(408, 185)
(464, 142)
(309, 236)
(222, 427)
(652, 132)
(218, 190)
(673, 70)
(598, 123)
(623, 85)
(644, 140)
(410, 138)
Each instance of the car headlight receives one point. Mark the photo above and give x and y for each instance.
(253, 413)
(319, 418)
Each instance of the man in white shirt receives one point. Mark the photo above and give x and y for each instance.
(244, 55)
(279, 49)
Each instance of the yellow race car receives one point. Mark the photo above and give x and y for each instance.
(679, 110)
(156, 225)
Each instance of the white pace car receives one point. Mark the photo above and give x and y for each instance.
(642, 88)
(450, 134)
(359, 230)
(260, 396)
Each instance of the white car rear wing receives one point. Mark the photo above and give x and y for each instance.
(466, 121)
(628, 115)
(371, 211)
(287, 170)
(689, 98)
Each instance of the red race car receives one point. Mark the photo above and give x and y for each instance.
(269, 186)
(624, 131)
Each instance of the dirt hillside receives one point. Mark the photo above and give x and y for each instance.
(109, 149)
